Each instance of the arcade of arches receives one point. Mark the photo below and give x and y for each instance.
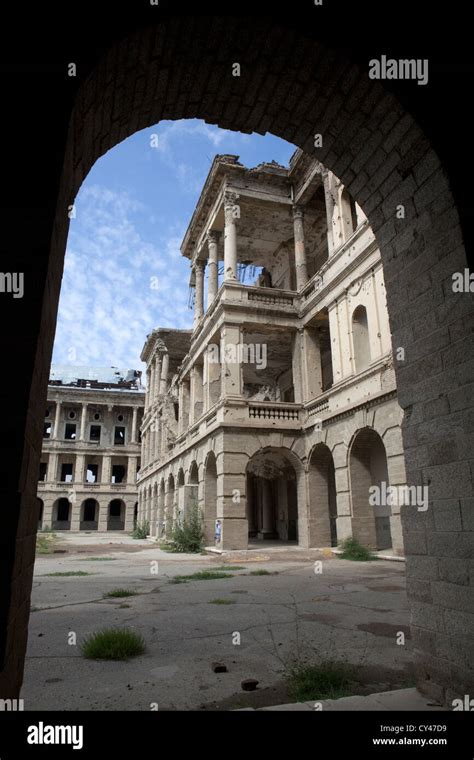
(289, 84)
(280, 493)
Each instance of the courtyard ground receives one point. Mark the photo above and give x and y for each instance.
(351, 611)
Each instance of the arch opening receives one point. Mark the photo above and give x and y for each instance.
(322, 497)
(272, 502)
(368, 469)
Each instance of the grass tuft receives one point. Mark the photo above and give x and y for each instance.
(118, 593)
(68, 574)
(45, 543)
(326, 680)
(262, 572)
(203, 575)
(221, 601)
(113, 644)
(141, 530)
(225, 568)
(353, 550)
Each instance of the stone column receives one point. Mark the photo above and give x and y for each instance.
(312, 366)
(199, 300)
(231, 381)
(103, 516)
(213, 266)
(79, 472)
(205, 382)
(152, 433)
(192, 394)
(152, 382)
(185, 408)
(106, 469)
(57, 420)
(163, 439)
(129, 510)
(52, 473)
(164, 373)
(132, 470)
(82, 434)
(300, 252)
(134, 424)
(149, 390)
(230, 237)
(156, 390)
(329, 195)
(214, 372)
(180, 408)
(198, 391)
(296, 366)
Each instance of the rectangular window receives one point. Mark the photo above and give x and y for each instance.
(70, 432)
(42, 472)
(119, 436)
(66, 473)
(47, 429)
(94, 434)
(92, 473)
(118, 473)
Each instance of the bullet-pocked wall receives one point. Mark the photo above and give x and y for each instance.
(295, 89)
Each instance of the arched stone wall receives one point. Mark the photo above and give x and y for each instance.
(295, 88)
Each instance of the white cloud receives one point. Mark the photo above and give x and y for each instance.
(107, 304)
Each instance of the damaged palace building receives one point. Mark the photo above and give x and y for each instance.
(91, 449)
(278, 411)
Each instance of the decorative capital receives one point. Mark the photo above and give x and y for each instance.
(298, 212)
(213, 236)
(230, 198)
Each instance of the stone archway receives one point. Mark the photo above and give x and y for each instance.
(210, 498)
(322, 500)
(116, 515)
(170, 506)
(61, 518)
(161, 527)
(180, 495)
(272, 500)
(291, 87)
(368, 468)
(89, 517)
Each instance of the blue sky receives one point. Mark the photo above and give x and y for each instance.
(124, 274)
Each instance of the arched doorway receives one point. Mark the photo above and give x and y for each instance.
(170, 507)
(116, 515)
(272, 504)
(89, 515)
(161, 530)
(61, 514)
(210, 498)
(180, 496)
(154, 510)
(368, 468)
(322, 497)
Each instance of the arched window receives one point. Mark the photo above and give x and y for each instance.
(360, 338)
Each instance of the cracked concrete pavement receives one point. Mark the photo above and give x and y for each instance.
(351, 610)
